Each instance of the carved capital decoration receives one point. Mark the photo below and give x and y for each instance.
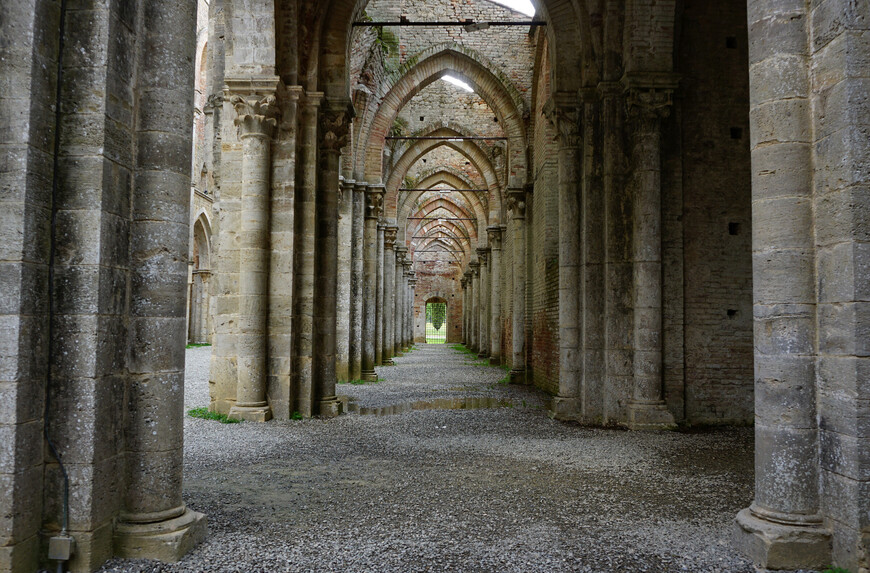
(345, 190)
(335, 127)
(374, 202)
(464, 282)
(213, 101)
(482, 254)
(494, 234)
(648, 104)
(565, 117)
(390, 234)
(516, 202)
(407, 264)
(255, 114)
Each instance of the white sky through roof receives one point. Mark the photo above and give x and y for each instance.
(523, 6)
(458, 82)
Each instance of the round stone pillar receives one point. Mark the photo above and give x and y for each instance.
(256, 119)
(517, 207)
(305, 215)
(412, 284)
(466, 307)
(379, 304)
(483, 329)
(646, 108)
(334, 130)
(475, 304)
(783, 528)
(399, 309)
(464, 285)
(345, 252)
(374, 202)
(356, 281)
(407, 304)
(495, 238)
(389, 305)
(154, 522)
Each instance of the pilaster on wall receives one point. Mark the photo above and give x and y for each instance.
(563, 112)
(648, 101)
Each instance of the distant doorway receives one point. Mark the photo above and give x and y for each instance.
(436, 322)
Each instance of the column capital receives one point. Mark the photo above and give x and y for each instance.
(214, 101)
(407, 265)
(463, 281)
(390, 235)
(562, 110)
(649, 95)
(256, 114)
(412, 282)
(516, 202)
(475, 268)
(335, 119)
(468, 274)
(482, 254)
(375, 201)
(494, 232)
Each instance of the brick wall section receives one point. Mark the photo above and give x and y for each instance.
(438, 276)
(716, 181)
(542, 278)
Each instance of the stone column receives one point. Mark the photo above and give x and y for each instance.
(398, 310)
(483, 329)
(412, 283)
(495, 237)
(389, 303)
(409, 302)
(356, 281)
(646, 108)
(379, 303)
(783, 528)
(468, 336)
(462, 282)
(563, 113)
(345, 253)
(374, 204)
(334, 129)
(256, 120)
(154, 522)
(517, 207)
(475, 305)
(305, 215)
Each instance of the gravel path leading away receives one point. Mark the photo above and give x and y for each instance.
(502, 489)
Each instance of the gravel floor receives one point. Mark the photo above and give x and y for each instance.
(500, 489)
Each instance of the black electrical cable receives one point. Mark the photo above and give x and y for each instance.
(51, 303)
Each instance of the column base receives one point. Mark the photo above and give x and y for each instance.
(250, 413)
(646, 417)
(564, 409)
(778, 546)
(368, 375)
(389, 362)
(166, 541)
(494, 360)
(483, 354)
(518, 376)
(330, 407)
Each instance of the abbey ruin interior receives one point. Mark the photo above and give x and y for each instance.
(654, 213)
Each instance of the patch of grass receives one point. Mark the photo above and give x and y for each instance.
(359, 382)
(197, 345)
(206, 414)
(463, 349)
(836, 570)
(296, 415)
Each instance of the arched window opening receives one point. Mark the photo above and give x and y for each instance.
(436, 321)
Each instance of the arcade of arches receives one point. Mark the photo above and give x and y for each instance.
(656, 211)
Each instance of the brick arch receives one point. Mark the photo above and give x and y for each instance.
(440, 203)
(464, 64)
(453, 229)
(469, 149)
(447, 175)
(410, 200)
(568, 27)
(447, 245)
